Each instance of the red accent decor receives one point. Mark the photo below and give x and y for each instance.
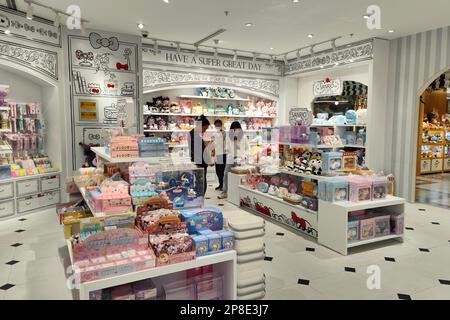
(120, 66)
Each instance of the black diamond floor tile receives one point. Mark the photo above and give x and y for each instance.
(437, 223)
(446, 282)
(23, 219)
(311, 249)
(221, 205)
(6, 286)
(282, 234)
(422, 209)
(350, 269)
(208, 198)
(19, 231)
(402, 296)
(16, 245)
(409, 228)
(424, 250)
(389, 259)
(268, 258)
(303, 282)
(12, 262)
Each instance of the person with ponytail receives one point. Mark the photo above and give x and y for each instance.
(197, 146)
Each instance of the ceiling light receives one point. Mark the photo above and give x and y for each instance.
(196, 51)
(140, 26)
(391, 31)
(249, 24)
(166, 1)
(310, 35)
(235, 55)
(298, 54)
(336, 103)
(351, 60)
(366, 16)
(271, 59)
(295, 1)
(30, 11)
(271, 48)
(56, 22)
(7, 31)
(155, 46)
(178, 48)
(216, 53)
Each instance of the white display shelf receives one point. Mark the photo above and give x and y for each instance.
(101, 152)
(36, 176)
(5, 108)
(179, 146)
(5, 130)
(88, 202)
(208, 115)
(354, 146)
(164, 131)
(308, 176)
(224, 263)
(333, 222)
(338, 126)
(296, 145)
(322, 146)
(297, 207)
(206, 98)
(377, 239)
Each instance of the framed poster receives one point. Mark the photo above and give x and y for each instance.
(88, 110)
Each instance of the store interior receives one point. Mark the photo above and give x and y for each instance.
(337, 149)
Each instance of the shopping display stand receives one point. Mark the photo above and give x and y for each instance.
(224, 262)
(333, 222)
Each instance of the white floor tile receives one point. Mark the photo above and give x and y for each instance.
(440, 292)
(296, 292)
(26, 271)
(4, 274)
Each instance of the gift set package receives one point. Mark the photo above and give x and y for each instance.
(373, 223)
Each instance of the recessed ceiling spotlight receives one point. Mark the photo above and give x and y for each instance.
(140, 26)
(29, 11)
(295, 1)
(391, 31)
(166, 1)
(336, 103)
(271, 48)
(249, 24)
(7, 31)
(366, 16)
(310, 35)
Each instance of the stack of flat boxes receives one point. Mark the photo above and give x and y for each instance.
(249, 234)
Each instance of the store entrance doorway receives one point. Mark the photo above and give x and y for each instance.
(433, 149)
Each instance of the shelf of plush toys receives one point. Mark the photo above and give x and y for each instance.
(158, 240)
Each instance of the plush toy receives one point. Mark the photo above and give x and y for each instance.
(231, 93)
(172, 125)
(175, 108)
(306, 155)
(361, 116)
(237, 109)
(217, 92)
(265, 109)
(203, 92)
(259, 106)
(230, 109)
(165, 105)
(3, 95)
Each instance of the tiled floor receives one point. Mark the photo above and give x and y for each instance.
(299, 268)
(434, 189)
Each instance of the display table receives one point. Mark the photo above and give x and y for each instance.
(293, 216)
(333, 222)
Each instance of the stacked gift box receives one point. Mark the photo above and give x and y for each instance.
(124, 147)
(150, 147)
(249, 234)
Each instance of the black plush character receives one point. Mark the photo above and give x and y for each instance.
(91, 159)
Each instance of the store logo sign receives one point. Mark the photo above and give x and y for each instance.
(74, 20)
(328, 87)
(300, 117)
(373, 16)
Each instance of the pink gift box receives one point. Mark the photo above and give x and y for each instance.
(360, 189)
(367, 229)
(397, 223)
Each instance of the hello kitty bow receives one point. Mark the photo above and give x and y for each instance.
(97, 41)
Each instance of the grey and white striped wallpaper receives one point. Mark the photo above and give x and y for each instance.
(414, 63)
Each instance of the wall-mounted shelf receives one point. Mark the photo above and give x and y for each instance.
(207, 115)
(206, 98)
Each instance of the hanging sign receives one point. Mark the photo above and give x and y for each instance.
(328, 87)
(300, 117)
(169, 56)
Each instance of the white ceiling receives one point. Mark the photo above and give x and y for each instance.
(280, 24)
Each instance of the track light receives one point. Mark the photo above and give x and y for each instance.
(56, 22)
(29, 11)
(216, 53)
(298, 54)
(255, 55)
(311, 50)
(155, 46)
(235, 55)
(271, 59)
(178, 48)
(333, 44)
(285, 58)
(196, 51)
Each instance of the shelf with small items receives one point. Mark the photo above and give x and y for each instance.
(214, 98)
(146, 113)
(104, 154)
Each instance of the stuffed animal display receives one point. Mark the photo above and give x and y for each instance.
(308, 163)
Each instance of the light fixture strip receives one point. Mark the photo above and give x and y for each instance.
(32, 2)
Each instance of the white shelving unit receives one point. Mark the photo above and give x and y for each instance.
(333, 222)
(208, 115)
(206, 98)
(224, 263)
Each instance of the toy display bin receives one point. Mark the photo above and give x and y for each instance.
(180, 290)
(382, 226)
(185, 188)
(353, 230)
(360, 189)
(209, 287)
(145, 290)
(337, 190)
(397, 223)
(331, 163)
(379, 188)
(367, 229)
(322, 190)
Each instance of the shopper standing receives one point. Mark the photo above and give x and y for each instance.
(221, 158)
(237, 150)
(197, 146)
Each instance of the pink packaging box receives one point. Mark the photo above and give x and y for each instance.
(382, 226)
(397, 223)
(360, 189)
(166, 259)
(367, 229)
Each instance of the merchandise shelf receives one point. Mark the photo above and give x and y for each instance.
(224, 262)
(5, 130)
(207, 115)
(206, 98)
(333, 222)
(86, 199)
(5, 108)
(308, 176)
(338, 126)
(101, 152)
(35, 176)
(187, 131)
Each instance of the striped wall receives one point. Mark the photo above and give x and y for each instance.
(414, 63)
